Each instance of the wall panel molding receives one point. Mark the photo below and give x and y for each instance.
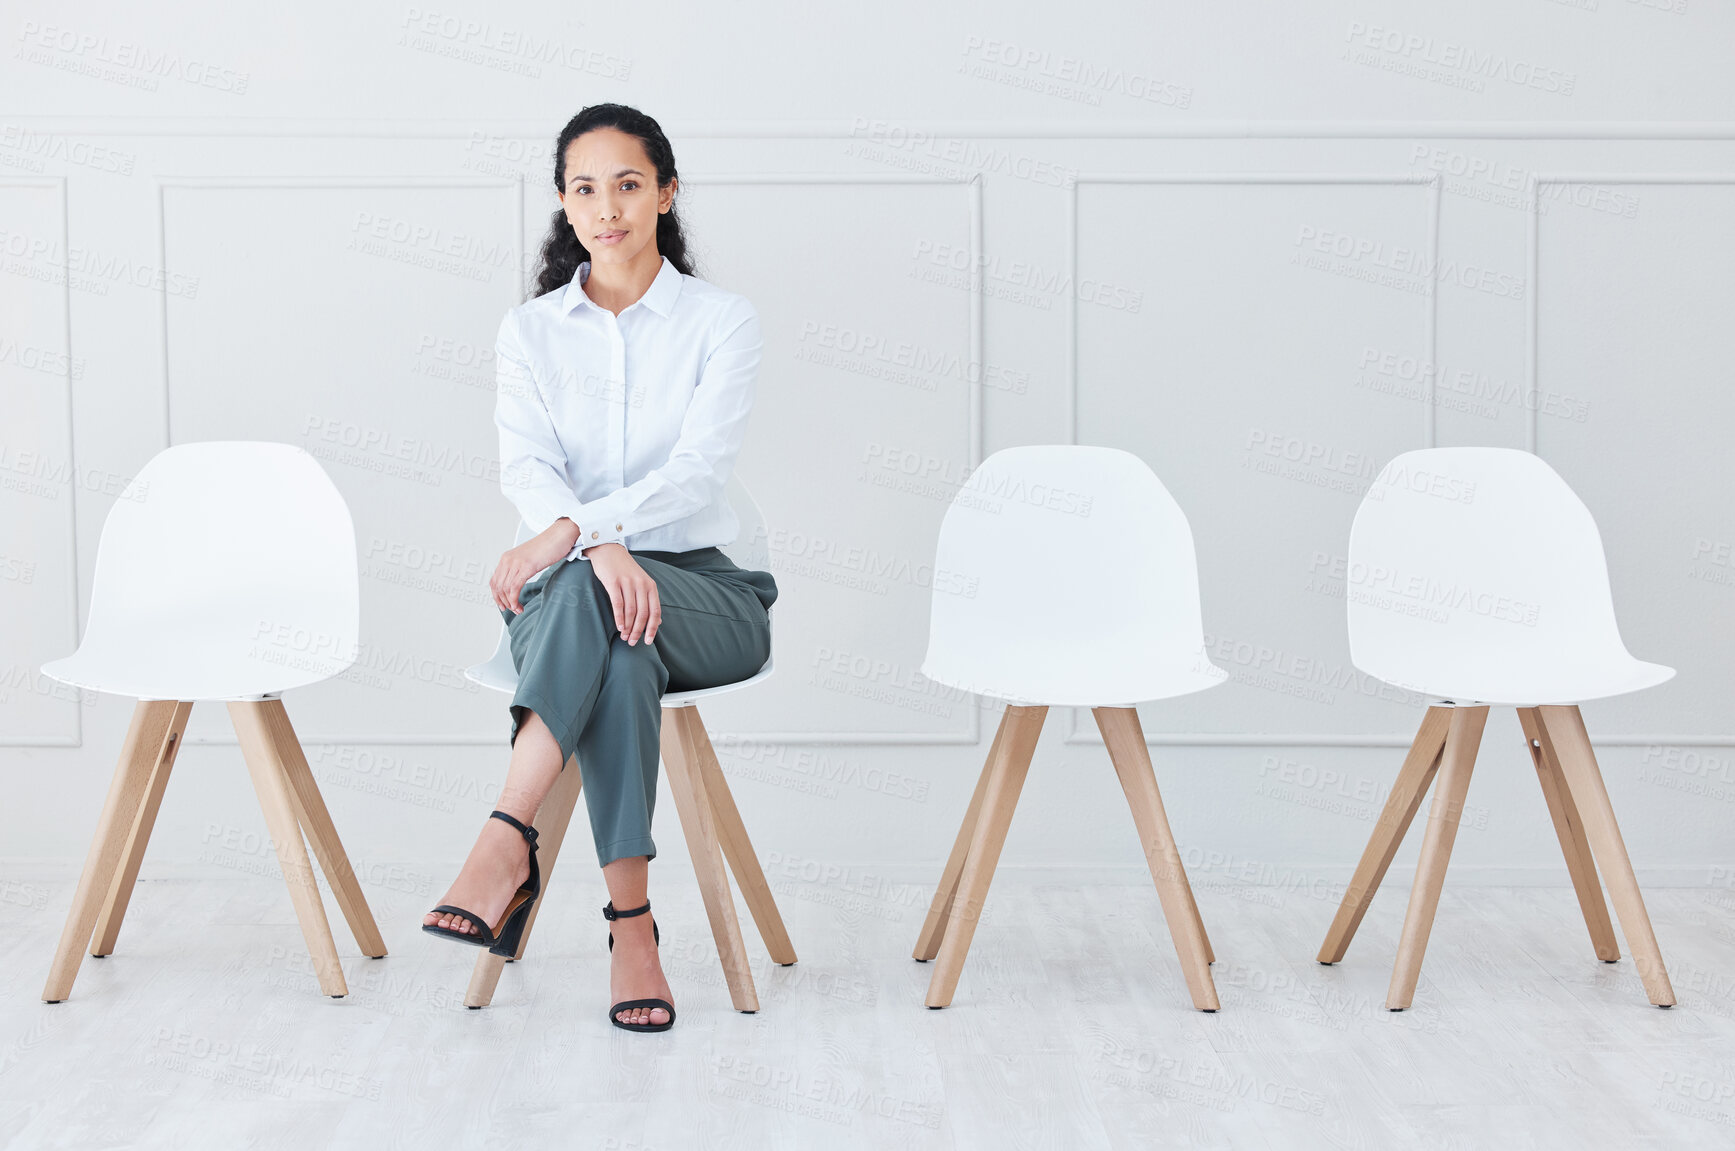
(59, 184)
(164, 183)
(1252, 179)
(845, 128)
(1080, 733)
(1226, 130)
(972, 188)
(1533, 248)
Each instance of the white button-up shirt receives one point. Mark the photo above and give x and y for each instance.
(628, 425)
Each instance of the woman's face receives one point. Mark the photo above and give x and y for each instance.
(611, 199)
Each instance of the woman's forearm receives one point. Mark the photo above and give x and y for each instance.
(564, 530)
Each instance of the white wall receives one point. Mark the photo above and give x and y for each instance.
(225, 283)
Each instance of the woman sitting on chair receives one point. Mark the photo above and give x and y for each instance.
(625, 385)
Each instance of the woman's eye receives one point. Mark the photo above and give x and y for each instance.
(630, 184)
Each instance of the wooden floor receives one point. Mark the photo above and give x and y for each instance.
(1071, 1029)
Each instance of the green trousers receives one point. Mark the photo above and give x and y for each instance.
(601, 697)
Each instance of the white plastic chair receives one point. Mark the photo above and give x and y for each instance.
(226, 571)
(1476, 577)
(1064, 575)
(709, 819)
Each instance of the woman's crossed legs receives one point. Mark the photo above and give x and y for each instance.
(713, 631)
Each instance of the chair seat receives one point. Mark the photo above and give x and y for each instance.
(685, 698)
(500, 674)
(1071, 687)
(197, 665)
(1512, 682)
(750, 551)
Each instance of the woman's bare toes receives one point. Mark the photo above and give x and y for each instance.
(446, 921)
(651, 1015)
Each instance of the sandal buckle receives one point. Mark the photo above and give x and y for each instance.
(610, 913)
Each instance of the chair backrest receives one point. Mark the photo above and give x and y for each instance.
(1066, 574)
(1478, 566)
(230, 553)
(751, 547)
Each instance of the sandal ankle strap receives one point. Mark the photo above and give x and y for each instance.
(609, 912)
(529, 833)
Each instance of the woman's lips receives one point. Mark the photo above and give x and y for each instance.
(610, 237)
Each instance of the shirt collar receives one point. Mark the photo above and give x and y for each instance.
(659, 297)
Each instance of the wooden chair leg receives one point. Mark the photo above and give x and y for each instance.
(738, 850)
(1394, 822)
(1457, 758)
(1198, 920)
(271, 782)
(682, 734)
(1584, 782)
(552, 820)
(1569, 829)
(315, 820)
(1125, 739)
(934, 927)
(146, 737)
(1006, 770)
(121, 890)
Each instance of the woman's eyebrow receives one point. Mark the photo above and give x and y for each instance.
(617, 175)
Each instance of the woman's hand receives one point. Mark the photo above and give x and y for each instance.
(637, 610)
(524, 561)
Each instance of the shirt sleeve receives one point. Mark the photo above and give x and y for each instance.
(704, 453)
(532, 460)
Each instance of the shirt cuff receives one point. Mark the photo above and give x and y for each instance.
(597, 525)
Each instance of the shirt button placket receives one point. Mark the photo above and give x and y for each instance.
(617, 372)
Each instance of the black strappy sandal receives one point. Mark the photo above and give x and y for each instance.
(504, 937)
(609, 913)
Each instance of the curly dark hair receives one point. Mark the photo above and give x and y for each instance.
(562, 252)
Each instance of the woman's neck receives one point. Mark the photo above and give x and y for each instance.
(619, 286)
